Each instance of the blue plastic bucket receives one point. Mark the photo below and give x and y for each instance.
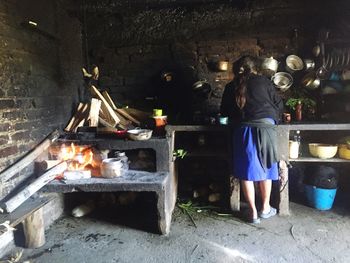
(320, 198)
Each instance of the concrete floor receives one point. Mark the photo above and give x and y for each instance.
(307, 235)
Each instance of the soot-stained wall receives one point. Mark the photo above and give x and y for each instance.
(40, 75)
(134, 41)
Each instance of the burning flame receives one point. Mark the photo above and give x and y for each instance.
(78, 157)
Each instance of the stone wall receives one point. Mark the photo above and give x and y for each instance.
(40, 75)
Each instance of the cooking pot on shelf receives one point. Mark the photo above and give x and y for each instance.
(310, 81)
(201, 88)
(294, 63)
(269, 64)
(282, 80)
(309, 64)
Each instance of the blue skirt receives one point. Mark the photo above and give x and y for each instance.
(246, 163)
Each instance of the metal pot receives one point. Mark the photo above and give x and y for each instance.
(222, 65)
(282, 80)
(311, 81)
(309, 64)
(270, 64)
(294, 63)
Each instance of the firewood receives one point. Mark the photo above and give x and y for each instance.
(104, 123)
(78, 119)
(94, 112)
(128, 116)
(29, 158)
(47, 164)
(32, 188)
(137, 114)
(106, 108)
(109, 100)
(34, 229)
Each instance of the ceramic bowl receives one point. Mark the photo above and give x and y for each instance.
(344, 151)
(323, 151)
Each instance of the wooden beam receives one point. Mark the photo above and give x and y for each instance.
(94, 112)
(106, 108)
(79, 118)
(109, 100)
(32, 188)
(34, 229)
(28, 158)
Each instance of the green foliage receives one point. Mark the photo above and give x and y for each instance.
(305, 101)
(179, 153)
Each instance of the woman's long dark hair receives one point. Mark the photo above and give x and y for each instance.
(247, 65)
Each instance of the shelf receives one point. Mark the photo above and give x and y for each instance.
(312, 159)
(316, 126)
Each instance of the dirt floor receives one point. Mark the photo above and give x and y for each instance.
(307, 235)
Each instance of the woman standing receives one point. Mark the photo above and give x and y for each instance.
(254, 108)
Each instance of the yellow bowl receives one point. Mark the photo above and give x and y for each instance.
(344, 151)
(323, 151)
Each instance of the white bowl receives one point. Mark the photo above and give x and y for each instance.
(140, 134)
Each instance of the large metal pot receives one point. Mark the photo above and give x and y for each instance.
(269, 64)
(310, 81)
(294, 63)
(282, 80)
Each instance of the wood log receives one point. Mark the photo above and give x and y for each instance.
(34, 229)
(94, 112)
(121, 113)
(32, 188)
(128, 116)
(73, 119)
(105, 123)
(106, 108)
(109, 100)
(28, 158)
(79, 118)
(138, 114)
(47, 164)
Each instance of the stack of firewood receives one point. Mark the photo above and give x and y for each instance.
(102, 111)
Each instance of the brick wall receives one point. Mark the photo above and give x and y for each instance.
(39, 75)
(132, 44)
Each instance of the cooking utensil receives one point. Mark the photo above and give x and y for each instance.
(201, 88)
(294, 63)
(310, 81)
(222, 65)
(270, 64)
(323, 151)
(309, 64)
(322, 73)
(111, 167)
(316, 50)
(140, 134)
(282, 80)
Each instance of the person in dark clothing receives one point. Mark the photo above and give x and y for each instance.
(253, 107)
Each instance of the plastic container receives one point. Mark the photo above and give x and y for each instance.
(320, 198)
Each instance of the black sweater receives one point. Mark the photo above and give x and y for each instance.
(262, 101)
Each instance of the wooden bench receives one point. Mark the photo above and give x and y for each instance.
(30, 213)
(137, 181)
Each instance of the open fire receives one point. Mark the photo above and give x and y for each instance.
(83, 161)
